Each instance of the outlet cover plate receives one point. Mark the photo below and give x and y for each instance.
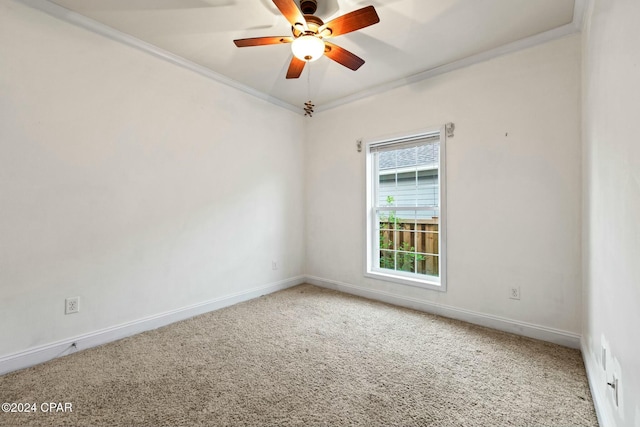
(72, 305)
(514, 292)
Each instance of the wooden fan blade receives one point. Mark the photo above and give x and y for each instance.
(262, 41)
(343, 56)
(290, 11)
(295, 68)
(349, 22)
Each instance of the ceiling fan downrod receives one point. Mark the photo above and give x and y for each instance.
(308, 7)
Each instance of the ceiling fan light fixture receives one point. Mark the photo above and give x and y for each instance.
(307, 48)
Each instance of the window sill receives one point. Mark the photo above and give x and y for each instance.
(409, 281)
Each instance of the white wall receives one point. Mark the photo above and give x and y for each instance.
(514, 184)
(130, 182)
(611, 129)
(133, 183)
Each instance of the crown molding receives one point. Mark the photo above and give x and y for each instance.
(92, 25)
(575, 26)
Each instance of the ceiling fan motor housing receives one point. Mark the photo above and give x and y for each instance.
(308, 7)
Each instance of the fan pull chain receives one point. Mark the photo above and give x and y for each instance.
(308, 106)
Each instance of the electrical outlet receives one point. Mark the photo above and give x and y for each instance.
(274, 265)
(604, 358)
(71, 305)
(514, 292)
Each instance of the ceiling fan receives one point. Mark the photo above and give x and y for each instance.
(308, 41)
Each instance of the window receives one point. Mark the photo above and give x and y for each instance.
(406, 210)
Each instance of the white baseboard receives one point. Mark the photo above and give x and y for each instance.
(593, 369)
(40, 354)
(556, 336)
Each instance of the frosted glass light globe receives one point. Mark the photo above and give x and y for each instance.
(307, 48)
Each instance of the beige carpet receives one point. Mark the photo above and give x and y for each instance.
(310, 356)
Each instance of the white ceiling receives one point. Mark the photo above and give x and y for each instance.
(413, 38)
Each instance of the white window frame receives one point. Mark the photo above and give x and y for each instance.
(372, 267)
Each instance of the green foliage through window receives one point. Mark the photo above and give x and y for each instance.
(404, 256)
